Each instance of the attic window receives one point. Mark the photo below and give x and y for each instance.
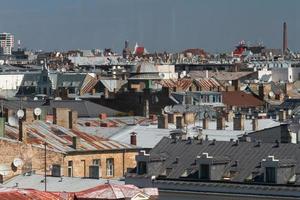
(142, 167)
(204, 171)
(270, 175)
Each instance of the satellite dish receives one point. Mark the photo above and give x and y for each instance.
(37, 111)
(20, 114)
(17, 162)
(13, 121)
(57, 98)
(35, 98)
(4, 170)
(271, 94)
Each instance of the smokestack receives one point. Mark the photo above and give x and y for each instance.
(285, 42)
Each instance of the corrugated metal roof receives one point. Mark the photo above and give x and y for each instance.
(60, 139)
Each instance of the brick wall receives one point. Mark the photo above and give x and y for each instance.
(81, 163)
(32, 157)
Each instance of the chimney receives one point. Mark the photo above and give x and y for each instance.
(2, 126)
(29, 115)
(62, 117)
(238, 122)
(189, 117)
(206, 73)
(282, 116)
(179, 122)
(133, 138)
(22, 131)
(75, 142)
(255, 124)
(229, 116)
(146, 108)
(261, 93)
(188, 99)
(220, 123)
(162, 121)
(205, 123)
(236, 84)
(285, 41)
(73, 116)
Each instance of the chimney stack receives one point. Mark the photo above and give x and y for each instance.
(220, 123)
(133, 138)
(146, 108)
(22, 131)
(2, 126)
(162, 121)
(64, 117)
(239, 122)
(205, 123)
(255, 124)
(282, 116)
(75, 142)
(285, 42)
(179, 122)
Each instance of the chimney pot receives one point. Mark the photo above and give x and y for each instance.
(133, 138)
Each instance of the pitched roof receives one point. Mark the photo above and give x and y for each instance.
(248, 154)
(84, 108)
(60, 139)
(241, 99)
(221, 76)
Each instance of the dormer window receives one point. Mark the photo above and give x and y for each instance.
(270, 175)
(142, 167)
(204, 171)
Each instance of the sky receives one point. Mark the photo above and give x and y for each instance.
(159, 25)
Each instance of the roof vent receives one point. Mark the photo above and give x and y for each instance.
(237, 143)
(213, 142)
(236, 163)
(258, 143)
(277, 143)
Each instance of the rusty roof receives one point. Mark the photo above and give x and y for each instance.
(184, 83)
(241, 99)
(29, 194)
(60, 139)
(114, 191)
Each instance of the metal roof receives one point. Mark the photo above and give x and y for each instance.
(60, 139)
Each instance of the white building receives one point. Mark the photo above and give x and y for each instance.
(6, 43)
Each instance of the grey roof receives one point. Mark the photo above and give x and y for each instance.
(70, 79)
(248, 154)
(68, 184)
(84, 108)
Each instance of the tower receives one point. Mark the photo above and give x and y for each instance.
(285, 42)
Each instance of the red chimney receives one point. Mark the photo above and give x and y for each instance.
(133, 138)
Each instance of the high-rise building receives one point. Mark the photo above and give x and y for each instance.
(6, 43)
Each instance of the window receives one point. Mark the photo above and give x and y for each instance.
(270, 175)
(96, 162)
(110, 167)
(70, 168)
(56, 170)
(142, 168)
(204, 171)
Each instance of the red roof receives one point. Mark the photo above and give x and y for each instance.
(29, 194)
(241, 99)
(114, 191)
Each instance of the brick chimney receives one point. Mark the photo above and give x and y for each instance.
(22, 131)
(64, 117)
(239, 122)
(2, 126)
(133, 138)
(282, 115)
(162, 121)
(236, 84)
(179, 122)
(220, 123)
(75, 142)
(261, 92)
(255, 124)
(205, 123)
